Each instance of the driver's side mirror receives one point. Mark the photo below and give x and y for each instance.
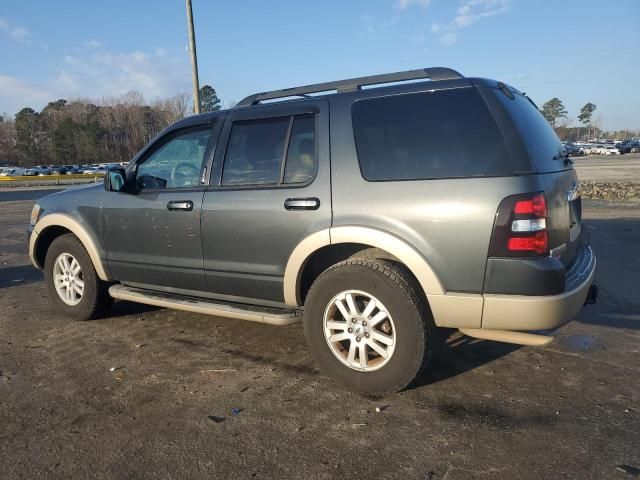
(115, 179)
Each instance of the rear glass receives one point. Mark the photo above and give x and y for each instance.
(428, 135)
(541, 142)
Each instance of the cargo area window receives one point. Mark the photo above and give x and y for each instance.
(428, 135)
(272, 151)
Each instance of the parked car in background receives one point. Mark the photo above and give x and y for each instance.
(90, 171)
(59, 170)
(611, 150)
(40, 170)
(10, 172)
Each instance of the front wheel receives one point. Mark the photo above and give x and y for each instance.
(367, 327)
(74, 286)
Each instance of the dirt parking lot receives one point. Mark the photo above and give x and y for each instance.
(149, 393)
(609, 168)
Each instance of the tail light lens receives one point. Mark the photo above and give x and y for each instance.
(520, 228)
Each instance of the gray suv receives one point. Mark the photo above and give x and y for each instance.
(376, 214)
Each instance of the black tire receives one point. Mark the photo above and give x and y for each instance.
(95, 301)
(414, 327)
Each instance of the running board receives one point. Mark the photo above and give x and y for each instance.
(253, 313)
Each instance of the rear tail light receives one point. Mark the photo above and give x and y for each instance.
(537, 206)
(520, 228)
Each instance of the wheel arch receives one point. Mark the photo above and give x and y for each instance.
(343, 242)
(51, 227)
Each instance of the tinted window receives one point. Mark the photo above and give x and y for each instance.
(448, 133)
(301, 154)
(539, 139)
(254, 153)
(175, 164)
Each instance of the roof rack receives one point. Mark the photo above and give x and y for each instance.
(353, 84)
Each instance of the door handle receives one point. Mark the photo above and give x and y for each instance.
(310, 203)
(186, 205)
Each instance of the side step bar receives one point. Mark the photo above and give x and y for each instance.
(253, 313)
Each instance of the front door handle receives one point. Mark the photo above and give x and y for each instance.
(186, 205)
(310, 203)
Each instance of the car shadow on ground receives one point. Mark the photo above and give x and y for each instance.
(456, 354)
(19, 275)
(124, 308)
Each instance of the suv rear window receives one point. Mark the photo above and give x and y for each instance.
(542, 143)
(428, 135)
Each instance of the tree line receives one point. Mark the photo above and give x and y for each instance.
(85, 132)
(556, 114)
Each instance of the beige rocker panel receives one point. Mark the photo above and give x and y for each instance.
(62, 220)
(367, 236)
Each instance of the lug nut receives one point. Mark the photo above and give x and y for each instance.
(357, 339)
(353, 320)
(366, 335)
(350, 330)
(364, 324)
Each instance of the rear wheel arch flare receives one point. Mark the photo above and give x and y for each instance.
(344, 242)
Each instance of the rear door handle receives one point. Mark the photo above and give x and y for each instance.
(310, 203)
(186, 205)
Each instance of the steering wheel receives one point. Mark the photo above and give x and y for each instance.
(184, 175)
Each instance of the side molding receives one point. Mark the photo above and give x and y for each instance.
(367, 236)
(62, 220)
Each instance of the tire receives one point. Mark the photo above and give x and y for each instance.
(408, 320)
(94, 301)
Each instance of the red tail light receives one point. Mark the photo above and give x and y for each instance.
(539, 243)
(520, 228)
(537, 206)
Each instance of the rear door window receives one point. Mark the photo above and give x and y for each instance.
(540, 140)
(257, 149)
(428, 135)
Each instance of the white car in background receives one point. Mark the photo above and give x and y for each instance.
(611, 150)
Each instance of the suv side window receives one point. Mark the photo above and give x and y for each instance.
(177, 163)
(301, 154)
(417, 136)
(257, 149)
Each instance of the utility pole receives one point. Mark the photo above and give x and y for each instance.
(194, 60)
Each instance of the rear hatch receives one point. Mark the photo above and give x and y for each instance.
(556, 174)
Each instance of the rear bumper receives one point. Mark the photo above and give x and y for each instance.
(524, 312)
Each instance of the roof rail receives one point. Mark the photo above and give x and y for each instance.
(353, 84)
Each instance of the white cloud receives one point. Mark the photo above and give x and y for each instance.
(404, 4)
(95, 72)
(470, 12)
(371, 27)
(448, 38)
(93, 44)
(16, 94)
(15, 31)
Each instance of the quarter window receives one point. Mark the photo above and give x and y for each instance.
(447, 133)
(257, 149)
(301, 155)
(177, 163)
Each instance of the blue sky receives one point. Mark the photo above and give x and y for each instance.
(576, 50)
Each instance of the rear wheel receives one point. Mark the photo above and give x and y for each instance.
(367, 327)
(74, 286)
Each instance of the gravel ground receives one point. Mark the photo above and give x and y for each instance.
(150, 393)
